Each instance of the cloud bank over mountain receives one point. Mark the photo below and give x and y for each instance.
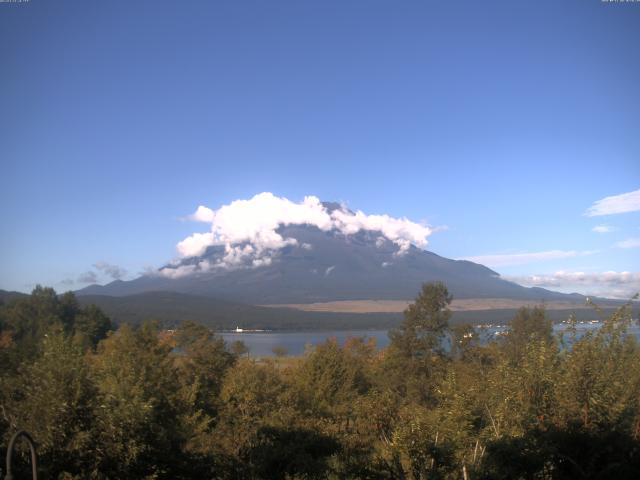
(100, 269)
(248, 231)
(115, 272)
(610, 284)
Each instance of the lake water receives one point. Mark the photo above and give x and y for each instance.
(261, 344)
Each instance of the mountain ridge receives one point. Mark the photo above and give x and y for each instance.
(329, 266)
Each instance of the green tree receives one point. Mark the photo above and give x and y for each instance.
(202, 363)
(137, 422)
(68, 309)
(90, 325)
(239, 348)
(528, 325)
(425, 324)
(54, 399)
(253, 396)
(600, 383)
(286, 453)
(329, 379)
(280, 351)
(415, 361)
(464, 340)
(28, 319)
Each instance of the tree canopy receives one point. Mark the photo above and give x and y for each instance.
(146, 402)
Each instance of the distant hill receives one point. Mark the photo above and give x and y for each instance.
(171, 308)
(6, 296)
(330, 266)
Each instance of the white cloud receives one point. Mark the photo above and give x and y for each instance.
(509, 259)
(401, 231)
(440, 228)
(248, 229)
(329, 270)
(113, 271)
(254, 221)
(202, 214)
(602, 229)
(628, 243)
(178, 272)
(608, 284)
(196, 244)
(623, 203)
(88, 277)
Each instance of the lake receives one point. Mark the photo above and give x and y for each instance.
(261, 344)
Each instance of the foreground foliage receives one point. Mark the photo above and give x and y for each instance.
(146, 403)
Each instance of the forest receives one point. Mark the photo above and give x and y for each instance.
(139, 402)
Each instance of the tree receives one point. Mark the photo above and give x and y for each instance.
(329, 379)
(68, 309)
(239, 348)
(253, 396)
(138, 419)
(28, 319)
(203, 363)
(420, 450)
(464, 340)
(600, 387)
(280, 351)
(91, 325)
(425, 324)
(414, 363)
(563, 453)
(285, 453)
(528, 325)
(54, 400)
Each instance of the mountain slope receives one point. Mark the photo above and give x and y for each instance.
(7, 296)
(325, 266)
(171, 308)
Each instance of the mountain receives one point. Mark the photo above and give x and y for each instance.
(323, 266)
(171, 308)
(6, 296)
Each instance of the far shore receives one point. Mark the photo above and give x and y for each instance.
(398, 306)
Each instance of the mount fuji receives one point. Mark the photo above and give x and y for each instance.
(313, 264)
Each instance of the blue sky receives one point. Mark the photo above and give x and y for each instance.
(504, 121)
